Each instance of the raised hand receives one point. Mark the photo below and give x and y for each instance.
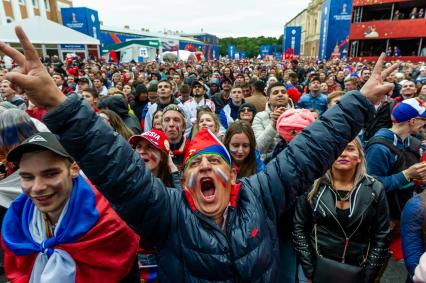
(32, 77)
(376, 87)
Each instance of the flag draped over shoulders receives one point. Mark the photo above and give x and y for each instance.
(90, 243)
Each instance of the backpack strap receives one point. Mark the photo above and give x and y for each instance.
(393, 148)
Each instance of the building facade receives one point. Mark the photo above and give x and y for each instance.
(15, 10)
(299, 21)
(313, 28)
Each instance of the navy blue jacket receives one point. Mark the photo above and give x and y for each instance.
(380, 160)
(412, 221)
(192, 248)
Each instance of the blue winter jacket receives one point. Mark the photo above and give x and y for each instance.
(380, 160)
(228, 114)
(192, 247)
(412, 221)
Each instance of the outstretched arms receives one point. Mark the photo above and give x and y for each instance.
(104, 156)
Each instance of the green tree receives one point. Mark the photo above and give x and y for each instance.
(251, 45)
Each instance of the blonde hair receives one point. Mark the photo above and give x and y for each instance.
(360, 173)
(196, 127)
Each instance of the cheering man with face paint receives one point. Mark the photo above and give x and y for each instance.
(215, 229)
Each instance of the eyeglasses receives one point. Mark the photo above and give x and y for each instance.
(246, 109)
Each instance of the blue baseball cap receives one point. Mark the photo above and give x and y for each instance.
(408, 109)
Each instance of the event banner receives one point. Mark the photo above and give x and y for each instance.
(385, 29)
(335, 23)
(231, 51)
(83, 20)
(292, 40)
(265, 50)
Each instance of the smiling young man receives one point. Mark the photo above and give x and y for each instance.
(215, 229)
(264, 123)
(60, 222)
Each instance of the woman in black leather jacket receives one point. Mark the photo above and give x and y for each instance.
(349, 212)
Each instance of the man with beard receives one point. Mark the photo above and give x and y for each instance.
(365, 75)
(165, 98)
(408, 90)
(214, 223)
(314, 99)
(197, 101)
(265, 122)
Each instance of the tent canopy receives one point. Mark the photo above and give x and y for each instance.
(42, 31)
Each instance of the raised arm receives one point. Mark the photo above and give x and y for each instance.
(104, 156)
(312, 152)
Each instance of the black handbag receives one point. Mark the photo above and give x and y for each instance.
(331, 271)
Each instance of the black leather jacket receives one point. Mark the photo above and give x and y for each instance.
(367, 228)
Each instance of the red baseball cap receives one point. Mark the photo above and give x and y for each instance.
(156, 137)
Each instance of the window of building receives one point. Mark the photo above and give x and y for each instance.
(22, 2)
(35, 3)
(47, 4)
(62, 5)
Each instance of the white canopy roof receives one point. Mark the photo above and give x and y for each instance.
(42, 31)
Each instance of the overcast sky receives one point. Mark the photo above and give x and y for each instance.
(220, 17)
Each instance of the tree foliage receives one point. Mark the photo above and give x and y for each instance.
(251, 45)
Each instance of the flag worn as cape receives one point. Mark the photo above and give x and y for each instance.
(98, 240)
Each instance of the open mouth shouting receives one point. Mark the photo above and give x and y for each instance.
(208, 189)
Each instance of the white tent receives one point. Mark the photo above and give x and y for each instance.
(183, 55)
(42, 31)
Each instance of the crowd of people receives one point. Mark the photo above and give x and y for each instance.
(225, 170)
(415, 13)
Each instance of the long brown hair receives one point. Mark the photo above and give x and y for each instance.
(360, 172)
(117, 124)
(163, 170)
(248, 168)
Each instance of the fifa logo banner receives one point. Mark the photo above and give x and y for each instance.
(335, 24)
(292, 40)
(231, 51)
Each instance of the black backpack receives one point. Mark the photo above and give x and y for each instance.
(381, 120)
(405, 158)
